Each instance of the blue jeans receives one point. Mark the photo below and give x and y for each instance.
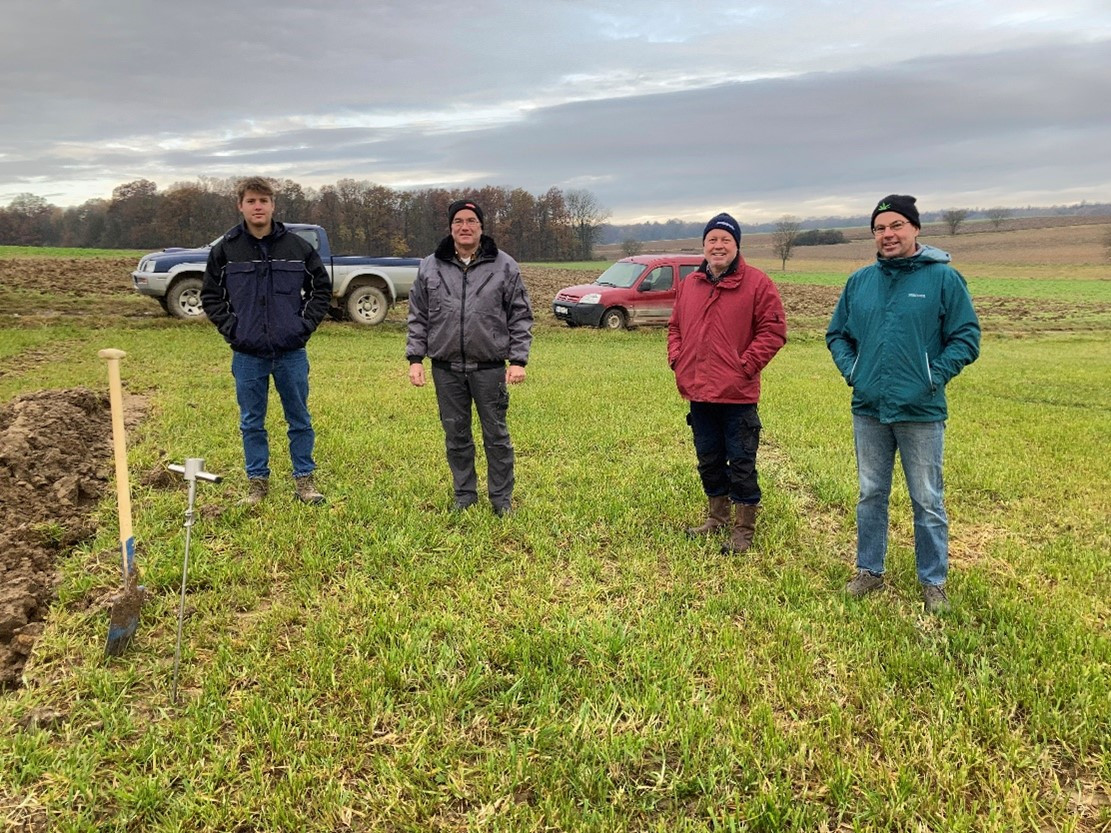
(726, 438)
(252, 390)
(920, 446)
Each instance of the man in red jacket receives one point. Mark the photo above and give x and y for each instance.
(727, 324)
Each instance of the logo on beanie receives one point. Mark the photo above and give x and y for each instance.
(883, 206)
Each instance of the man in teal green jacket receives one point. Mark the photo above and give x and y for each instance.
(903, 327)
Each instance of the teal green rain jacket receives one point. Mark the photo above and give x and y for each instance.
(901, 330)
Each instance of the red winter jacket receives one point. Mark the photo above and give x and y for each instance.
(721, 335)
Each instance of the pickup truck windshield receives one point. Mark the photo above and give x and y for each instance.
(623, 275)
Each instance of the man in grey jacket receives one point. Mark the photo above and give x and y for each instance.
(470, 314)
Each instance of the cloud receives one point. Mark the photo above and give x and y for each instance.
(659, 109)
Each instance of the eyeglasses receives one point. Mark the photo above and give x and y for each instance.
(897, 226)
(469, 221)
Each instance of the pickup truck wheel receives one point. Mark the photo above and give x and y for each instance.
(184, 299)
(367, 305)
(613, 319)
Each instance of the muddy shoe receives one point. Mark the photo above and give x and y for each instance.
(864, 583)
(257, 488)
(934, 598)
(306, 492)
(717, 517)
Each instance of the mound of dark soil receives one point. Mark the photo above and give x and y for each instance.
(55, 464)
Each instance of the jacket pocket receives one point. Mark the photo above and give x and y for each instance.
(288, 276)
(433, 292)
(240, 282)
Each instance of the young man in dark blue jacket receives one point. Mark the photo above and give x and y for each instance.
(267, 291)
(903, 327)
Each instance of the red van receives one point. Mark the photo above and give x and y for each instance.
(633, 292)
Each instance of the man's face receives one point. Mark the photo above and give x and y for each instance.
(895, 235)
(466, 230)
(258, 212)
(719, 248)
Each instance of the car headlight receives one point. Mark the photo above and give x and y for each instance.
(592, 298)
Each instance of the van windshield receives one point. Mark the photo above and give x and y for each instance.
(620, 274)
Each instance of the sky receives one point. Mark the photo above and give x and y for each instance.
(813, 108)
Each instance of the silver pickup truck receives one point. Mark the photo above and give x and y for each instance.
(363, 288)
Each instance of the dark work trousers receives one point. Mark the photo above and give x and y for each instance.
(486, 388)
(726, 437)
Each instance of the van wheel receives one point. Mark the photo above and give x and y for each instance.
(367, 305)
(613, 319)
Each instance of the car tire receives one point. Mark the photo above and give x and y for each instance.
(613, 319)
(367, 305)
(184, 299)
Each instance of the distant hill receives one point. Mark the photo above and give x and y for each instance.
(682, 229)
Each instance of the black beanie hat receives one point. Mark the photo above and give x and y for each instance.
(900, 204)
(723, 221)
(459, 205)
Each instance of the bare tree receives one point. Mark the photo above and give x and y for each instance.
(586, 219)
(631, 247)
(953, 218)
(784, 238)
(997, 215)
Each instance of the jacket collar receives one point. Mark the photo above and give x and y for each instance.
(277, 230)
(730, 277)
(487, 250)
(925, 256)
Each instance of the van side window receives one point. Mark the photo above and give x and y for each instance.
(686, 270)
(659, 279)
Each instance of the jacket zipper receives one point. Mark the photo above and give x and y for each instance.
(463, 317)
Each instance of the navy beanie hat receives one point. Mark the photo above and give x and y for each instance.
(725, 222)
(900, 204)
(459, 205)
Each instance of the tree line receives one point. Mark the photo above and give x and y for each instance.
(361, 218)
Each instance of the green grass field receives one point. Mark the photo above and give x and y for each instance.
(384, 664)
(62, 251)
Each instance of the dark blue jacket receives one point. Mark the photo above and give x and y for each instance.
(901, 330)
(266, 297)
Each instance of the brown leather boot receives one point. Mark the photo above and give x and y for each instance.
(257, 489)
(306, 492)
(744, 527)
(717, 516)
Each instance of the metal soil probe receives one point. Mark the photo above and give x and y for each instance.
(193, 470)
